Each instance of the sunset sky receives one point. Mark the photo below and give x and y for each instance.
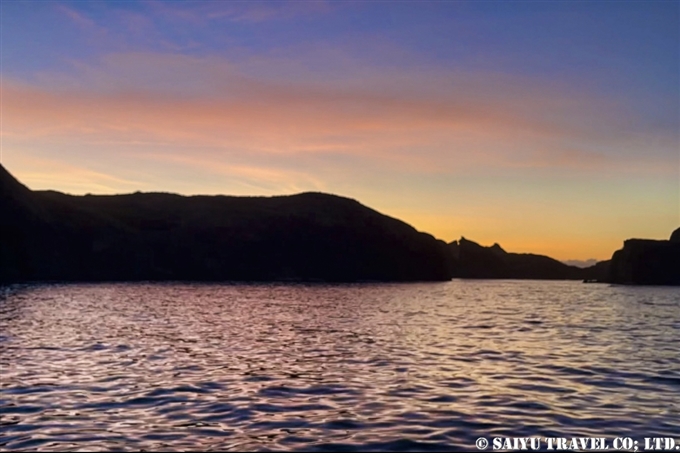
(549, 127)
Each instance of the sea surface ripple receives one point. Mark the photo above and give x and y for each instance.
(395, 367)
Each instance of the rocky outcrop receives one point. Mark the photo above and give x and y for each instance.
(157, 236)
(475, 261)
(675, 236)
(647, 262)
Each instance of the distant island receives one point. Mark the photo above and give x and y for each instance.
(581, 263)
(51, 236)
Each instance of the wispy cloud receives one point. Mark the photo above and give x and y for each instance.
(47, 173)
(261, 178)
(397, 119)
(77, 17)
(252, 11)
(90, 26)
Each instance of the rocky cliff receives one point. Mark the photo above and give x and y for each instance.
(647, 262)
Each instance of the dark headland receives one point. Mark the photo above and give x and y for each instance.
(475, 261)
(48, 235)
(647, 262)
(51, 236)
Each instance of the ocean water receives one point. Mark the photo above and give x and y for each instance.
(334, 367)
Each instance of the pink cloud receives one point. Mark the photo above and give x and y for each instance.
(426, 120)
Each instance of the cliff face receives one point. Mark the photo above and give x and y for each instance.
(675, 236)
(475, 261)
(647, 262)
(152, 236)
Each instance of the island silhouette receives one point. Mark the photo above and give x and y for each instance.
(51, 236)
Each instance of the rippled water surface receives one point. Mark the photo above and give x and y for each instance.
(316, 367)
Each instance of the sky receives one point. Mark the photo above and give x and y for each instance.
(549, 127)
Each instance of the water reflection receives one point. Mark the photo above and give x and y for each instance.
(314, 367)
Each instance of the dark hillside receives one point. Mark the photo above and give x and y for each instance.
(475, 261)
(158, 236)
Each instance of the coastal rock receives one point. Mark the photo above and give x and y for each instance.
(647, 262)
